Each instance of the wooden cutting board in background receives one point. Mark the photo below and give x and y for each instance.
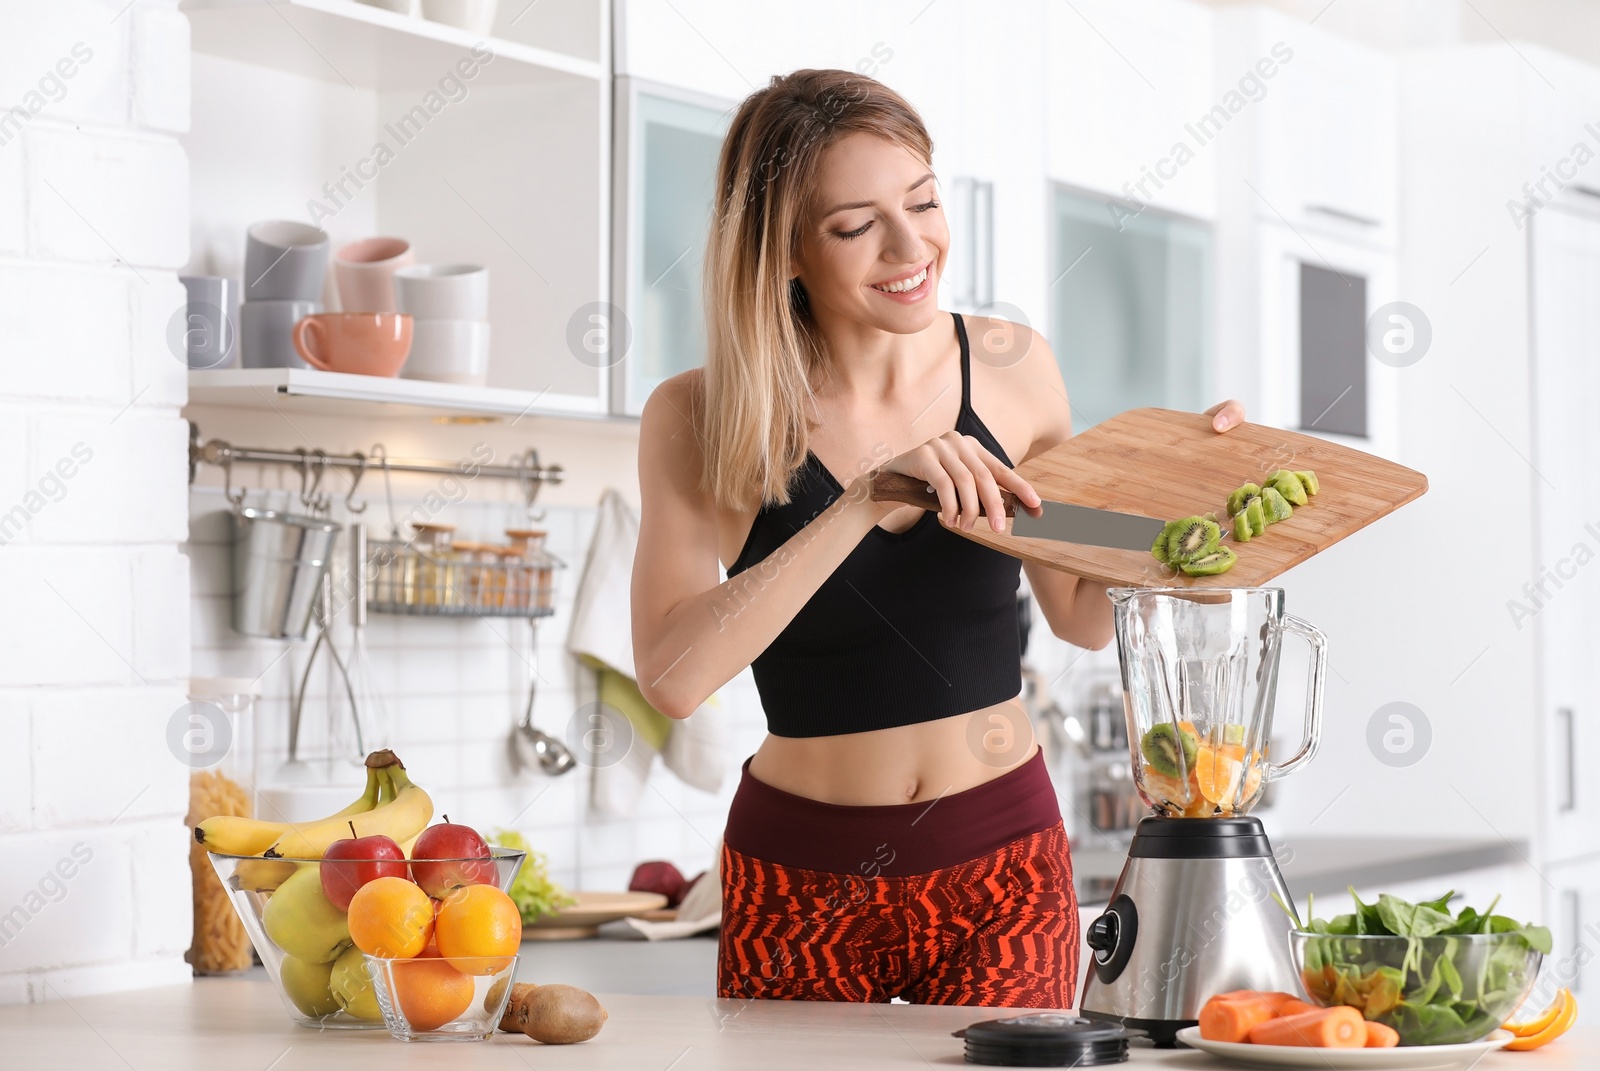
(1168, 464)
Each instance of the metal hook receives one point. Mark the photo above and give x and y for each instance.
(315, 502)
(234, 500)
(528, 464)
(355, 482)
(382, 454)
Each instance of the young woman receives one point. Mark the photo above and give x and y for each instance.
(896, 833)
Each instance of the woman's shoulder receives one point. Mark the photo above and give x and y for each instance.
(670, 417)
(1012, 364)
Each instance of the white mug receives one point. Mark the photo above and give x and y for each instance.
(449, 351)
(443, 291)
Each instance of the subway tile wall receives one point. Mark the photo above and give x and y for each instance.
(453, 689)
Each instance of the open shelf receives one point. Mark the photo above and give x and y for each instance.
(366, 47)
(296, 390)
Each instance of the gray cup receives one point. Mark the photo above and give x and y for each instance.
(264, 332)
(210, 327)
(284, 260)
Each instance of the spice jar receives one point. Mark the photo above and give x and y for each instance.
(537, 568)
(435, 572)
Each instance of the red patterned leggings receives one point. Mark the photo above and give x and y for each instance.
(993, 928)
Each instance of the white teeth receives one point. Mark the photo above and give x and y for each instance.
(904, 284)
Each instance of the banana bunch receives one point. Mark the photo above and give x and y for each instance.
(391, 805)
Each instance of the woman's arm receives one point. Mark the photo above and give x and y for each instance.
(1076, 609)
(691, 635)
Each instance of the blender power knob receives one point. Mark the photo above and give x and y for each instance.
(1102, 935)
(1112, 936)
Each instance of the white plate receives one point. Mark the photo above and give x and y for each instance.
(1400, 1058)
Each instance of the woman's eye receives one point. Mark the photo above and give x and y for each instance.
(859, 231)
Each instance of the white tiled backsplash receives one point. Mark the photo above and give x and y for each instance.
(454, 688)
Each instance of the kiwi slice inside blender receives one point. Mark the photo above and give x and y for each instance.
(1218, 561)
(1289, 486)
(1161, 746)
(1233, 734)
(1275, 506)
(1242, 497)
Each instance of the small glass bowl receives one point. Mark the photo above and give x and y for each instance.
(434, 999)
(308, 989)
(1372, 972)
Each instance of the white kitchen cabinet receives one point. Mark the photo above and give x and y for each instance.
(1319, 138)
(366, 122)
(1564, 585)
(1572, 910)
(667, 143)
(1124, 82)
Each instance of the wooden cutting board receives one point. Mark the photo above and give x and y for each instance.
(1168, 464)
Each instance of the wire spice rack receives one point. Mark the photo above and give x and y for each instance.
(449, 579)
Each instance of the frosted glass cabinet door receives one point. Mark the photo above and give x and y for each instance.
(667, 146)
(1130, 308)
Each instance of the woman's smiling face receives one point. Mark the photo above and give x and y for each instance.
(872, 248)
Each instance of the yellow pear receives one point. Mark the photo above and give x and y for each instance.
(301, 920)
(306, 984)
(352, 985)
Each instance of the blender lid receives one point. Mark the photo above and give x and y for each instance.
(1044, 1039)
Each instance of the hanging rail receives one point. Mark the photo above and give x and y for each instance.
(313, 465)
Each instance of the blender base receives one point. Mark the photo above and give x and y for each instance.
(1199, 909)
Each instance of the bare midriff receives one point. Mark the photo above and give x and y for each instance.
(905, 764)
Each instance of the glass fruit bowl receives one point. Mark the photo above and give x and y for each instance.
(430, 998)
(303, 939)
(1431, 990)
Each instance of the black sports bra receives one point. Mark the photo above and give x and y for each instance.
(911, 627)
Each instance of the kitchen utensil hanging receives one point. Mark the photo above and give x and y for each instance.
(324, 615)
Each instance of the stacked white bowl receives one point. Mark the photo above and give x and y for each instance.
(449, 307)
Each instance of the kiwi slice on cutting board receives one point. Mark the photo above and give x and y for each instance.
(1241, 528)
(1308, 480)
(1160, 747)
(1256, 514)
(1159, 548)
(1242, 498)
(1218, 561)
(1275, 506)
(1190, 538)
(1289, 486)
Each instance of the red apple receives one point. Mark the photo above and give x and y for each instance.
(351, 863)
(448, 856)
(659, 876)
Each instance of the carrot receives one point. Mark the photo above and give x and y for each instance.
(1380, 1036)
(1232, 1018)
(1296, 1007)
(1325, 1028)
(1272, 997)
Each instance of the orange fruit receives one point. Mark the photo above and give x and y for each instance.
(1217, 775)
(478, 921)
(391, 917)
(430, 992)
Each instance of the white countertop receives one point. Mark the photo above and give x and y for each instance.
(237, 1024)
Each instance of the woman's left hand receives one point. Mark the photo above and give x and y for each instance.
(1225, 415)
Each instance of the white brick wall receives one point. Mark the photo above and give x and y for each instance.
(94, 212)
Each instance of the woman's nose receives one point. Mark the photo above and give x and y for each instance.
(904, 245)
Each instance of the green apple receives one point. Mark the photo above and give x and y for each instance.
(352, 985)
(302, 921)
(307, 986)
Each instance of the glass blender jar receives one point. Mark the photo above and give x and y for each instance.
(1200, 907)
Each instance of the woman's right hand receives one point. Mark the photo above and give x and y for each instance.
(966, 477)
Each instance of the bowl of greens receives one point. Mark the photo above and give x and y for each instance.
(1436, 977)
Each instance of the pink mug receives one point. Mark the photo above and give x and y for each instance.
(364, 343)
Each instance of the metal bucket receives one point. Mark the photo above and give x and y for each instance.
(278, 563)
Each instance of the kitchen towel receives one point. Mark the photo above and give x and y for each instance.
(698, 748)
(700, 910)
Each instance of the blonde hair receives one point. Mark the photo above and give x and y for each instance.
(762, 344)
